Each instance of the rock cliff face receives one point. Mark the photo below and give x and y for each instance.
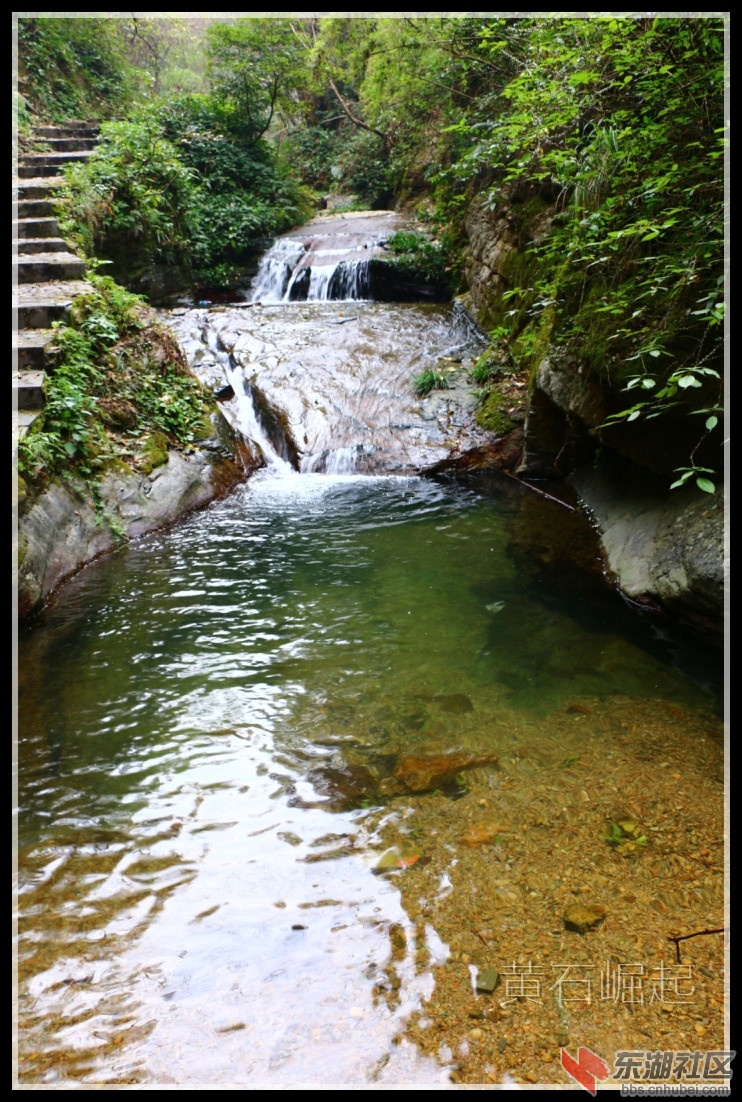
(62, 530)
(665, 548)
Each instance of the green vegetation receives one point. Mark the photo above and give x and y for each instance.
(429, 380)
(74, 68)
(624, 836)
(120, 391)
(415, 255)
(621, 122)
(98, 68)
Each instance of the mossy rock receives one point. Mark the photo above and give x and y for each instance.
(154, 452)
(492, 414)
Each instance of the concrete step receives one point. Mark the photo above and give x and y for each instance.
(37, 187)
(31, 347)
(39, 304)
(33, 208)
(22, 421)
(28, 390)
(51, 163)
(28, 246)
(31, 229)
(48, 266)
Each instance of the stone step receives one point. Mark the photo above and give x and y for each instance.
(52, 164)
(65, 133)
(26, 229)
(33, 208)
(31, 348)
(22, 421)
(38, 187)
(71, 145)
(47, 266)
(47, 274)
(28, 246)
(28, 389)
(39, 304)
(69, 130)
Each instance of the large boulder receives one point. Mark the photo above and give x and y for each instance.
(664, 549)
(62, 529)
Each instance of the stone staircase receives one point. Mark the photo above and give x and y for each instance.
(47, 275)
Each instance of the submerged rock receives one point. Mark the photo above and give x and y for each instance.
(479, 834)
(580, 917)
(487, 981)
(400, 856)
(457, 703)
(420, 772)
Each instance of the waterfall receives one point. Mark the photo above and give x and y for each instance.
(319, 269)
(335, 461)
(274, 271)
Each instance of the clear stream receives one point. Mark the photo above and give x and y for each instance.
(206, 719)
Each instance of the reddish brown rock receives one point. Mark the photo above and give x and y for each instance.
(480, 834)
(419, 772)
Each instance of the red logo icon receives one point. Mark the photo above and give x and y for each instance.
(586, 1069)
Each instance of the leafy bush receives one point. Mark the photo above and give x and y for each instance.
(132, 200)
(630, 138)
(172, 188)
(75, 68)
(416, 256)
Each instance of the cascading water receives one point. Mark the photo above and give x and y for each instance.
(293, 272)
(331, 262)
(329, 389)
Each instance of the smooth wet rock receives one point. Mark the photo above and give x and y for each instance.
(346, 390)
(60, 530)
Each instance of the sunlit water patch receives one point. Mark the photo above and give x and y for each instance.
(211, 731)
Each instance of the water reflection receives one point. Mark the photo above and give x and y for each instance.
(210, 723)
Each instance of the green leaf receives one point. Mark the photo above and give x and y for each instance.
(711, 423)
(705, 485)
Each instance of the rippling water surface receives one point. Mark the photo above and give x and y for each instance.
(206, 721)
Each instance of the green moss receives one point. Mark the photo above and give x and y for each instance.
(206, 430)
(492, 413)
(120, 386)
(154, 452)
(119, 466)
